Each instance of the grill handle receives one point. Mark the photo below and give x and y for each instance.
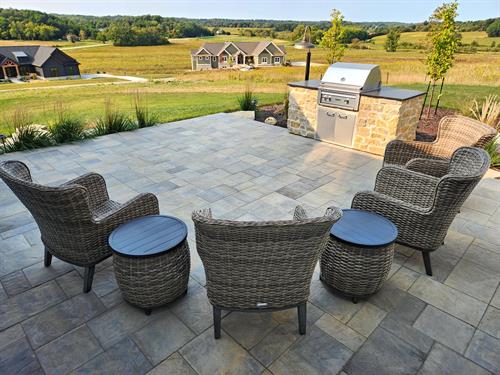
(343, 117)
(331, 114)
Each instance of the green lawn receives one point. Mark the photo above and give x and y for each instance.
(44, 84)
(88, 103)
(458, 97)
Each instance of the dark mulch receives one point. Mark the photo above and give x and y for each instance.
(427, 127)
(275, 110)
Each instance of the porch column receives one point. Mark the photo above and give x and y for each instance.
(4, 72)
(17, 70)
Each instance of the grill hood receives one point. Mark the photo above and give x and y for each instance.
(349, 76)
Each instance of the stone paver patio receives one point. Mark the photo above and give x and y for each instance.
(445, 324)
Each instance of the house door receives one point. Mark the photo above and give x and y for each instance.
(10, 71)
(240, 59)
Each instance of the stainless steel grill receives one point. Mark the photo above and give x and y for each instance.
(341, 87)
(343, 84)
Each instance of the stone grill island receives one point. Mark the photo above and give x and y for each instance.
(383, 114)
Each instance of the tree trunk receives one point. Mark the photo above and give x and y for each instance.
(425, 99)
(439, 96)
(430, 99)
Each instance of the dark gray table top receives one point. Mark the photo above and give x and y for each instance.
(393, 93)
(148, 236)
(364, 229)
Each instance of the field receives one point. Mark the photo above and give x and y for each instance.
(189, 94)
(420, 37)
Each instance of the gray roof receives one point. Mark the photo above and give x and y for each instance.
(249, 48)
(37, 55)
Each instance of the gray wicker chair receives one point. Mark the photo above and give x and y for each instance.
(423, 206)
(261, 266)
(453, 132)
(75, 218)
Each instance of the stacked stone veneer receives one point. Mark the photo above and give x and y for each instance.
(379, 120)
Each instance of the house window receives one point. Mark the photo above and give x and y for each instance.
(200, 58)
(224, 58)
(206, 57)
(214, 58)
(264, 60)
(277, 60)
(54, 72)
(71, 70)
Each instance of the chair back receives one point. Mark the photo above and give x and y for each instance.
(60, 212)
(252, 265)
(458, 131)
(467, 166)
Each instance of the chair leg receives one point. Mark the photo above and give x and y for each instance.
(47, 260)
(88, 277)
(302, 312)
(427, 262)
(217, 322)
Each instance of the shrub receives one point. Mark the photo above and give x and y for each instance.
(143, 116)
(66, 127)
(493, 29)
(488, 111)
(492, 149)
(26, 135)
(113, 121)
(247, 101)
(286, 105)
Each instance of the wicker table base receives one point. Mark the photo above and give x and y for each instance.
(154, 281)
(359, 253)
(151, 260)
(355, 271)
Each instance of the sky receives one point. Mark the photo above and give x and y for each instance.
(304, 10)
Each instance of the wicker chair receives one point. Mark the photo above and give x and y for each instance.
(423, 206)
(261, 266)
(75, 218)
(453, 132)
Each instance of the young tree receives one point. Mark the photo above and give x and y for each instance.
(444, 38)
(392, 40)
(101, 36)
(333, 37)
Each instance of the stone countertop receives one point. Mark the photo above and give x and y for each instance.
(393, 93)
(312, 84)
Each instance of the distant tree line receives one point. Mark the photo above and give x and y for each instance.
(122, 30)
(152, 30)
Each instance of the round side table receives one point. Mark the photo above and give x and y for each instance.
(151, 260)
(359, 253)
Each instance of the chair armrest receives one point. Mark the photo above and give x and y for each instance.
(299, 213)
(333, 212)
(432, 167)
(412, 187)
(202, 214)
(398, 152)
(385, 205)
(95, 185)
(142, 205)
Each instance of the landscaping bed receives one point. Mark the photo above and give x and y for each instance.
(273, 110)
